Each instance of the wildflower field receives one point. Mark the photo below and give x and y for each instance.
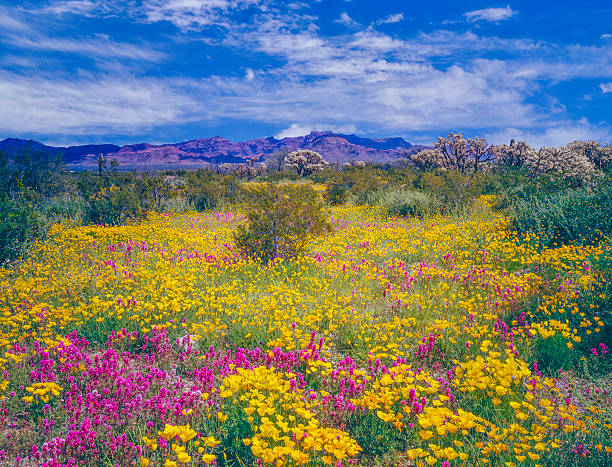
(436, 341)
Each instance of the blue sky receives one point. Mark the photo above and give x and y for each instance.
(81, 71)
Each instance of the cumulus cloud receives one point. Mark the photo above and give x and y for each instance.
(393, 18)
(605, 87)
(346, 19)
(490, 14)
(296, 129)
(249, 74)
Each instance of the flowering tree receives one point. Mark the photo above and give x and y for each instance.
(305, 162)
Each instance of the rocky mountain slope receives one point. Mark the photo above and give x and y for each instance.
(335, 148)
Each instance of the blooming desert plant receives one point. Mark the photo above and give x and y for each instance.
(305, 162)
(280, 220)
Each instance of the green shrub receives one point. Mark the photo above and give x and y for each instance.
(280, 220)
(453, 192)
(206, 199)
(176, 204)
(114, 206)
(207, 190)
(283, 175)
(67, 208)
(21, 225)
(581, 215)
(405, 203)
(336, 193)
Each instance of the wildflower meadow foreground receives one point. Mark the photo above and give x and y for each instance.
(435, 341)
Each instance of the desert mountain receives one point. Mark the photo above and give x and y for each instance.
(204, 151)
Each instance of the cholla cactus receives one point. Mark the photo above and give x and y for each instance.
(248, 169)
(564, 162)
(513, 155)
(463, 154)
(600, 156)
(305, 162)
(427, 159)
(359, 163)
(225, 168)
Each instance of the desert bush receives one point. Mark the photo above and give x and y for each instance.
(206, 190)
(406, 203)
(282, 175)
(67, 208)
(280, 220)
(21, 225)
(336, 193)
(176, 204)
(452, 191)
(581, 215)
(364, 183)
(114, 206)
(152, 190)
(27, 180)
(38, 173)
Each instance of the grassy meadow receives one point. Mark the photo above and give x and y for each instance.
(433, 340)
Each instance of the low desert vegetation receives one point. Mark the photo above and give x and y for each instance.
(451, 309)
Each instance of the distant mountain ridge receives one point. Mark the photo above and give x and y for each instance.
(334, 147)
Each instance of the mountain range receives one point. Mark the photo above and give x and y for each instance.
(335, 148)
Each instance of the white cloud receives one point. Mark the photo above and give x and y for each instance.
(427, 83)
(8, 22)
(605, 87)
(79, 106)
(490, 14)
(296, 129)
(557, 134)
(98, 46)
(194, 13)
(14, 30)
(84, 7)
(346, 19)
(393, 18)
(605, 36)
